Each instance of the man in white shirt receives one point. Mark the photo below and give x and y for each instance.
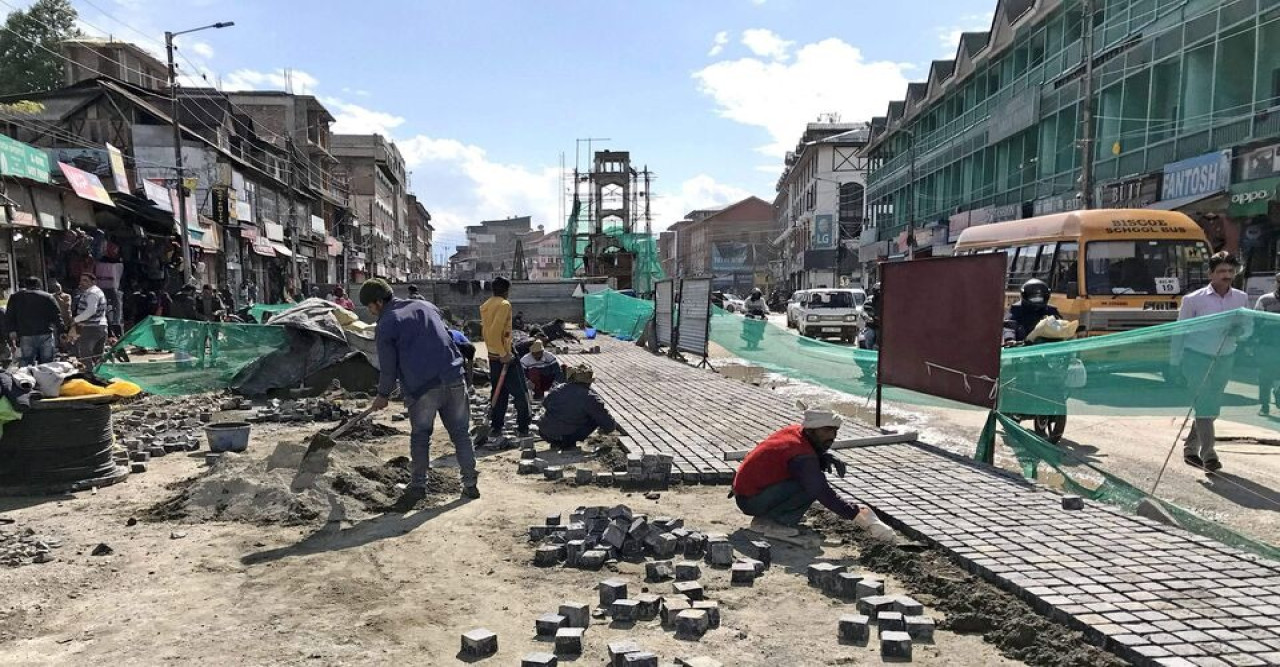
(1206, 355)
(1265, 354)
(91, 320)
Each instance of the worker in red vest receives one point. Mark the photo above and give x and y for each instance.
(782, 476)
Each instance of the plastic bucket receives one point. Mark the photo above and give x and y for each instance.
(228, 436)
(591, 333)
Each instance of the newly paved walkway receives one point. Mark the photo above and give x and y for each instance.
(1157, 595)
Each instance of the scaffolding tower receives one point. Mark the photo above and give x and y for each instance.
(609, 230)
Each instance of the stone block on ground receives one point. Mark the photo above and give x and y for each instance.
(538, 659)
(869, 587)
(920, 628)
(822, 574)
(895, 646)
(576, 614)
(648, 606)
(661, 570)
(640, 659)
(719, 553)
(855, 628)
(846, 586)
(548, 555)
(873, 605)
(569, 641)
(698, 661)
(619, 649)
(553, 473)
(907, 606)
(593, 559)
(712, 607)
(583, 476)
(672, 606)
(624, 610)
(689, 589)
(573, 550)
(547, 625)
(1072, 503)
(688, 571)
(479, 643)
(742, 574)
(137, 467)
(891, 621)
(610, 590)
(764, 552)
(692, 623)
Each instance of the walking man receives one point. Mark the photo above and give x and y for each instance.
(505, 377)
(1266, 352)
(416, 350)
(33, 320)
(90, 320)
(1207, 354)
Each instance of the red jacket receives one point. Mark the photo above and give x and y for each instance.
(766, 465)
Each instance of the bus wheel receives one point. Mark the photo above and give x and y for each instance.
(1050, 427)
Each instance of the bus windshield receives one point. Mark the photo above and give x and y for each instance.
(1145, 267)
(833, 300)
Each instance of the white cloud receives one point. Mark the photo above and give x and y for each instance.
(718, 44)
(202, 49)
(949, 36)
(296, 80)
(826, 76)
(355, 119)
(766, 43)
(701, 191)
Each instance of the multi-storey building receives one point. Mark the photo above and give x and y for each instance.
(729, 243)
(420, 240)
(378, 182)
(1186, 94)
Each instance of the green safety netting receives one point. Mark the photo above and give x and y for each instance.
(206, 356)
(261, 311)
(617, 314)
(646, 268)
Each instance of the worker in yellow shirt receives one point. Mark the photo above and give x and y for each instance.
(505, 377)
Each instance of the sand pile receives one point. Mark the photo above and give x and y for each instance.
(357, 484)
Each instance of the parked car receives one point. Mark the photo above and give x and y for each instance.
(735, 304)
(793, 307)
(831, 313)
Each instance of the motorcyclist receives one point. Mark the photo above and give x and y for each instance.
(755, 305)
(1024, 315)
(871, 312)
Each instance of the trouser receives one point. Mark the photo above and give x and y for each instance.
(36, 349)
(513, 389)
(450, 402)
(90, 344)
(570, 440)
(1268, 369)
(784, 502)
(540, 380)
(1207, 378)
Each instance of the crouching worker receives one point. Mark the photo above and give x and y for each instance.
(572, 412)
(542, 369)
(782, 476)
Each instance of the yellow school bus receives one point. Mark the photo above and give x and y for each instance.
(1109, 269)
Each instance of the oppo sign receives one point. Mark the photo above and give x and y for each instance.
(1243, 198)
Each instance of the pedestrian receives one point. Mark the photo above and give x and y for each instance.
(414, 294)
(517, 322)
(541, 368)
(209, 306)
(339, 297)
(572, 411)
(1267, 352)
(1206, 354)
(416, 351)
(783, 475)
(506, 382)
(183, 305)
(33, 320)
(90, 320)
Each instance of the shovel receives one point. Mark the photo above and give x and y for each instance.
(316, 458)
(483, 431)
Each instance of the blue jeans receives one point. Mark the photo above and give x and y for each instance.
(36, 349)
(784, 502)
(450, 402)
(512, 388)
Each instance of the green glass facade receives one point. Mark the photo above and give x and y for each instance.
(1001, 126)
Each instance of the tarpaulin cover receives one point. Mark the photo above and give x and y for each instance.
(317, 340)
(206, 355)
(615, 313)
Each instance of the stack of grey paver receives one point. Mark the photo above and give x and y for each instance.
(594, 536)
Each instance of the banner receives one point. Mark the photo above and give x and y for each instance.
(87, 186)
(118, 174)
(23, 161)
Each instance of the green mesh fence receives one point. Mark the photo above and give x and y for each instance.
(200, 356)
(261, 311)
(647, 268)
(617, 314)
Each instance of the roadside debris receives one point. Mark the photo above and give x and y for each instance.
(23, 546)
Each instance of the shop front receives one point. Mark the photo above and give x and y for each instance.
(1254, 212)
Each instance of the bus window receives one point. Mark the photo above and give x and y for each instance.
(1065, 269)
(1133, 267)
(1024, 266)
(1044, 265)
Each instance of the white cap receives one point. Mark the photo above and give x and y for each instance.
(819, 417)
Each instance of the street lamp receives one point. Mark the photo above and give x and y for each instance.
(177, 144)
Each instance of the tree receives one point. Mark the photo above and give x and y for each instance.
(28, 42)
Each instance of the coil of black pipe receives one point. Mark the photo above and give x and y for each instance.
(58, 443)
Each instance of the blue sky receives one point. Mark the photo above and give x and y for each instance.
(483, 96)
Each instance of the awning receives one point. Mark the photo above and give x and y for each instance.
(281, 249)
(1181, 202)
(1252, 198)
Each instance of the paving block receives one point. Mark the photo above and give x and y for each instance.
(538, 533)
(672, 606)
(891, 621)
(764, 552)
(573, 550)
(156, 451)
(640, 659)
(546, 625)
(139, 457)
(526, 468)
(855, 628)
(548, 555)
(137, 468)
(593, 559)
(648, 606)
(553, 473)
(920, 627)
(569, 641)
(538, 659)
(479, 643)
(583, 476)
(1072, 503)
(689, 589)
(553, 519)
(742, 573)
(757, 565)
(845, 586)
(661, 570)
(614, 536)
(624, 610)
(619, 649)
(528, 454)
(712, 607)
(907, 606)
(692, 623)
(822, 574)
(695, 546)
(576, 614)
(688, 571)
(720, 553)
(873, 605)
(895, 645)
(664, 545)
(866, 588)
(610, 590)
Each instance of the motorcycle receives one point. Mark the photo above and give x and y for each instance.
(1051, 377)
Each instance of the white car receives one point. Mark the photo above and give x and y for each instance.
(793, 307)
(831, 313)
(735, 304)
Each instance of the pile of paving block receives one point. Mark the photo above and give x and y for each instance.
(640, 472)
(899, 619)
(158, 428)
(293, 411)
(507, 438)
(23, 546)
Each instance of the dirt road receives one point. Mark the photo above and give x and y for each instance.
(392, 588)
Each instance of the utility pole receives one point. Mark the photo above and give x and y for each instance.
(183, 233)
(1086, 116)
(293, 216)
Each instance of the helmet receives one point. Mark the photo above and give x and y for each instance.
(1035, 291)
(756, 293)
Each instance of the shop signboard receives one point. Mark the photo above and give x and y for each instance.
(956, 224)
(1252, 197)
(1138, 192)
(1056, 204)
(221, 201)
(119, 177)
(1200, 176)
(159, 195)
(1006, 212)
(23, 161)
(1260, 163)
(317, 224)
(244, 211)
(824, 232)
(275, 232)
(87, 186)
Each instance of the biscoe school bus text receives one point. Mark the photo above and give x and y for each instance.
(1137, 226)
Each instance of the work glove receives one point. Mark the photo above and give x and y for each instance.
(829, 462)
